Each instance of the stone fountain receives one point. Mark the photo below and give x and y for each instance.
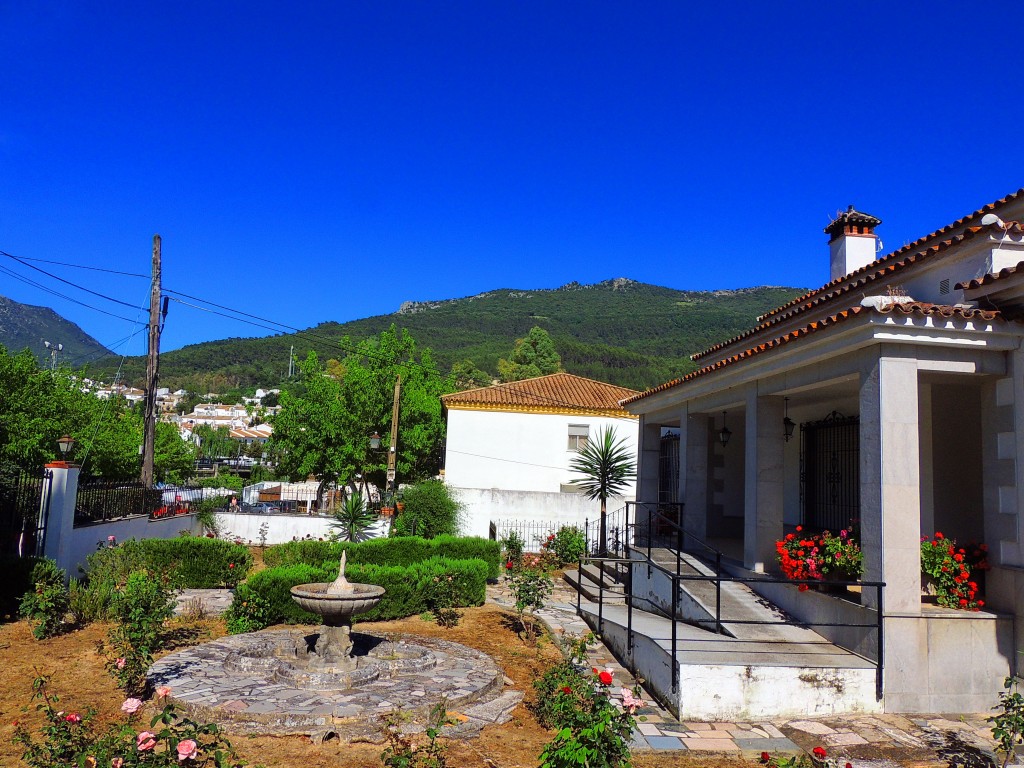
(336, 603)
(333, 681)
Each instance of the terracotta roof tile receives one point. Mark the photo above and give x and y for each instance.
(866, 275)
(556, 391)
(992, 277)
(918, 308)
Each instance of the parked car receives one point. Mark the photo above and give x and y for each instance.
(262, 508)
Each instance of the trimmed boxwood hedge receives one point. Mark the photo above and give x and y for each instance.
(188, 561)
(406, 588)
(398, 551)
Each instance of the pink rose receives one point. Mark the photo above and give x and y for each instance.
(163, 692)
(145, 741)
(74, 717)
(117, 762)
(131, 706)
(187, 750)
(111, 539)
(119, 663)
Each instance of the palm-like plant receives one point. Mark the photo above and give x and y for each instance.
(607, 468)
(353, 519)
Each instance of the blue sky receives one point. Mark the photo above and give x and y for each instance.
(328, 161)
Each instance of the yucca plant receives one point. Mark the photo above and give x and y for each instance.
(607, 468)
(353, 519)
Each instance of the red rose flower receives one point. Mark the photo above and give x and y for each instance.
(765, 757)
(566, 689)
(605, 677)
(819, 752)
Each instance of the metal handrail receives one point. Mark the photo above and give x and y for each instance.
(678, 577)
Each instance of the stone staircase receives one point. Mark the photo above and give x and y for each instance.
(755, 667)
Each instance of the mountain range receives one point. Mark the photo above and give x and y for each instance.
(24, 325)
(620, 331)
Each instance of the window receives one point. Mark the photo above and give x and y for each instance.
(578, 436)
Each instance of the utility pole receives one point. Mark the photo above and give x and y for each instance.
(291, 360)
(393, 450)
(152, 370)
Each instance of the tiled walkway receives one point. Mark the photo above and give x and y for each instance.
(866, 741)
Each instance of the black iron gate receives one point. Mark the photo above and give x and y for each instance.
(830, 472)
(24, 510)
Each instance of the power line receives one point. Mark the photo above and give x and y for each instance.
(40, 286)
(77, 266)
(68, 282)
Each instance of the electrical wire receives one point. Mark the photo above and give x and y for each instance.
(40, 286)
(68, 282)
(77, 266)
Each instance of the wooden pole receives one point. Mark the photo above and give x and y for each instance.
(152, 370)
(392, 486)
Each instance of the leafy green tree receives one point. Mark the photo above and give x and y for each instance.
(465, 375)
(534, 355)
(214, 442)
(324, 427)
(607, 467)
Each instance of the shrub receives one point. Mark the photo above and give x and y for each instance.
(71, 739)
(197, 562)
(248, 612)
(530, 586)
(402, 751)
(592, 731)
(442, 599)
(431, 510)
(91, 600)
(815, 556)
(1008, 724)
(568, 543)
(140, 609)
(514, 546)
(407, 589)
(399, 551)
(186, 562)
(47, 602)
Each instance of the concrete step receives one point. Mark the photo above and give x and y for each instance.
(588, 584)
(719, 677)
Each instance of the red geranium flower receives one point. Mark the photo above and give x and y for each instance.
(819, 752)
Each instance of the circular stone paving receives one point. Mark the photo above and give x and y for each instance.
(268, 682)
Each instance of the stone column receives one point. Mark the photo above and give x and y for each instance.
(59, 501)
(648, 456)
(693, 473)
(763, 483)
(890, 483)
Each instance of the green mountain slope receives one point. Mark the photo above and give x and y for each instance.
(620, 331)
(23, 325)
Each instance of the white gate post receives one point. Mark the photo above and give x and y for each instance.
(60, 522)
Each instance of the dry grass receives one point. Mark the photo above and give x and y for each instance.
(78, 676)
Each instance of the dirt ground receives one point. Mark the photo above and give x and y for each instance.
(78, 677)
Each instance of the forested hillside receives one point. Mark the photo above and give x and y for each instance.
(623, 332)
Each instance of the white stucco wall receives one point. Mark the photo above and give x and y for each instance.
(520, 451)
(482, 505)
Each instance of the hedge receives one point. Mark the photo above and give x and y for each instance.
(406, 588)
(189, 561)
(398, 551)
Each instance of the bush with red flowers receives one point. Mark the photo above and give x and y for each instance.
(954, 571)
(815, 556)
(818, 759)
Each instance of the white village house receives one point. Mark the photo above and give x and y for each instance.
(901, 384)
(509, 448)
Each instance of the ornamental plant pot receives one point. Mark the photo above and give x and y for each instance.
(928, 588)
(387, 511)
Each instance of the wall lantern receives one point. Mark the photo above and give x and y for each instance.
(374, 441)
(788, 424)
(724, 433)
(65, 444)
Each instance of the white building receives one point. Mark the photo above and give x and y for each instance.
(509, 447)
(902, 383)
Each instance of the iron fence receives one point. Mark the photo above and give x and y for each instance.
(100, 500)
(24, 502)
(532, 532)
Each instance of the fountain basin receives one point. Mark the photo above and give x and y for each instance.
(337, 608)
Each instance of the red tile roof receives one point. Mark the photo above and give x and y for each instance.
(991, 277)
(921, 309)
(905, 249)
(867, 275)
(555, 392)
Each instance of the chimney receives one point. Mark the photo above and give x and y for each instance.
(852, 241)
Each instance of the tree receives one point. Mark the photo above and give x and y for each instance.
(431, 510)
(534, 355)
(324, 428)
(607, 468)
(465, 375)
